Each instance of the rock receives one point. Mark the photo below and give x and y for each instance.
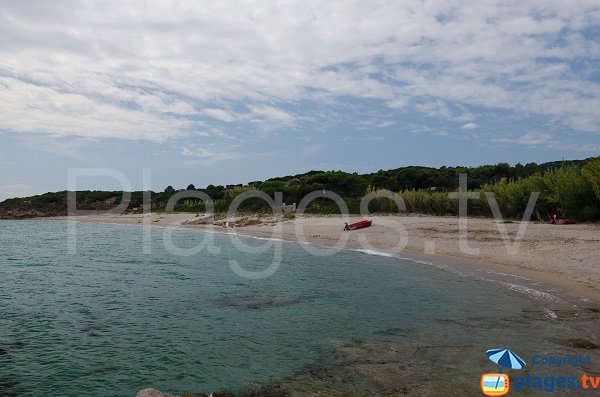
(156, 393)
(267, 391)
(8, 348)
(9, 388)
(221, 394)
(258, 301)
(582, 343)
(153, 393)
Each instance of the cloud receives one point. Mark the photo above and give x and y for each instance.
(66, 146)
(125, 70)
(530, 138)
(208, 156)
(41, 109)
(270, 113)
(469, 126)
(219, 114)
(311, 150)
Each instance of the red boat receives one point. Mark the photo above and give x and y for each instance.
(358, 225)
(567, 222)
(562, 221)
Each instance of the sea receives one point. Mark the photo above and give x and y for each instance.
(113, 318)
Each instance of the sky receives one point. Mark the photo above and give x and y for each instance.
(223, 92)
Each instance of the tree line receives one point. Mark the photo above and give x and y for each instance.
(570, 189)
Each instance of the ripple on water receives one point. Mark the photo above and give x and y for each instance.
(113, 320)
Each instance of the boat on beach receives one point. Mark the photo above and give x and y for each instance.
(358, 225)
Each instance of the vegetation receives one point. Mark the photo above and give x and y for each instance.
(568, 189)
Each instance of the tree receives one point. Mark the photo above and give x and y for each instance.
(191, 187)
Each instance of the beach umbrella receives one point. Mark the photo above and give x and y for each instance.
(505, 358)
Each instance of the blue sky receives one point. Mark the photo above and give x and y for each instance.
(231, 92)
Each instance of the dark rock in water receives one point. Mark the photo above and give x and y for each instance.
(7, 348)
(92, 328)
(392, 331)
(579, 343)
(9, 388)
(267, 391)
(258, 301)
(156, 393)
(14, 345)
(153, 393)
(221, 394)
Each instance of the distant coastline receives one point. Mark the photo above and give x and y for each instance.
(567, 190)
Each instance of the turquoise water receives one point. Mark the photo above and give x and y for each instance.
(110, 320)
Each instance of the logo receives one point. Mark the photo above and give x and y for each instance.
(495, 384)
(498, 384)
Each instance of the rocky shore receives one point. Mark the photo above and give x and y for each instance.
(389, 366)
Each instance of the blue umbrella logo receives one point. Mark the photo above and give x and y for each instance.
(505, 359)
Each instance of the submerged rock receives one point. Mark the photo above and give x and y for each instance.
(259, 301)
(9, 388)
(153, 393)
(267, 391)
(580, 343)
(576, 343)
(156, 393)
(392, 331)
(7, 348)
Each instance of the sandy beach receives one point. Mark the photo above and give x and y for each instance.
(560, 256)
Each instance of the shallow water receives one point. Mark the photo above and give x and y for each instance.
(110, 320)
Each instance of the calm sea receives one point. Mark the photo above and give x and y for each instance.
(110, 320)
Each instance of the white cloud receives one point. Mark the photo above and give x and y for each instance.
(219, 114)
(208, 156)
(67, 146)
(469, 126)
(116, 69)
(163, 104)
(270, 113)
(310, 150)
(530, 138)
(40, 109)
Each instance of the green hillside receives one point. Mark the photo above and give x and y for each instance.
(567, 188)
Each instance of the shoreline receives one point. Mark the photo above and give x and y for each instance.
(567, 324)
(540, 264)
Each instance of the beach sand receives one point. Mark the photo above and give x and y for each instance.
(562, 256)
